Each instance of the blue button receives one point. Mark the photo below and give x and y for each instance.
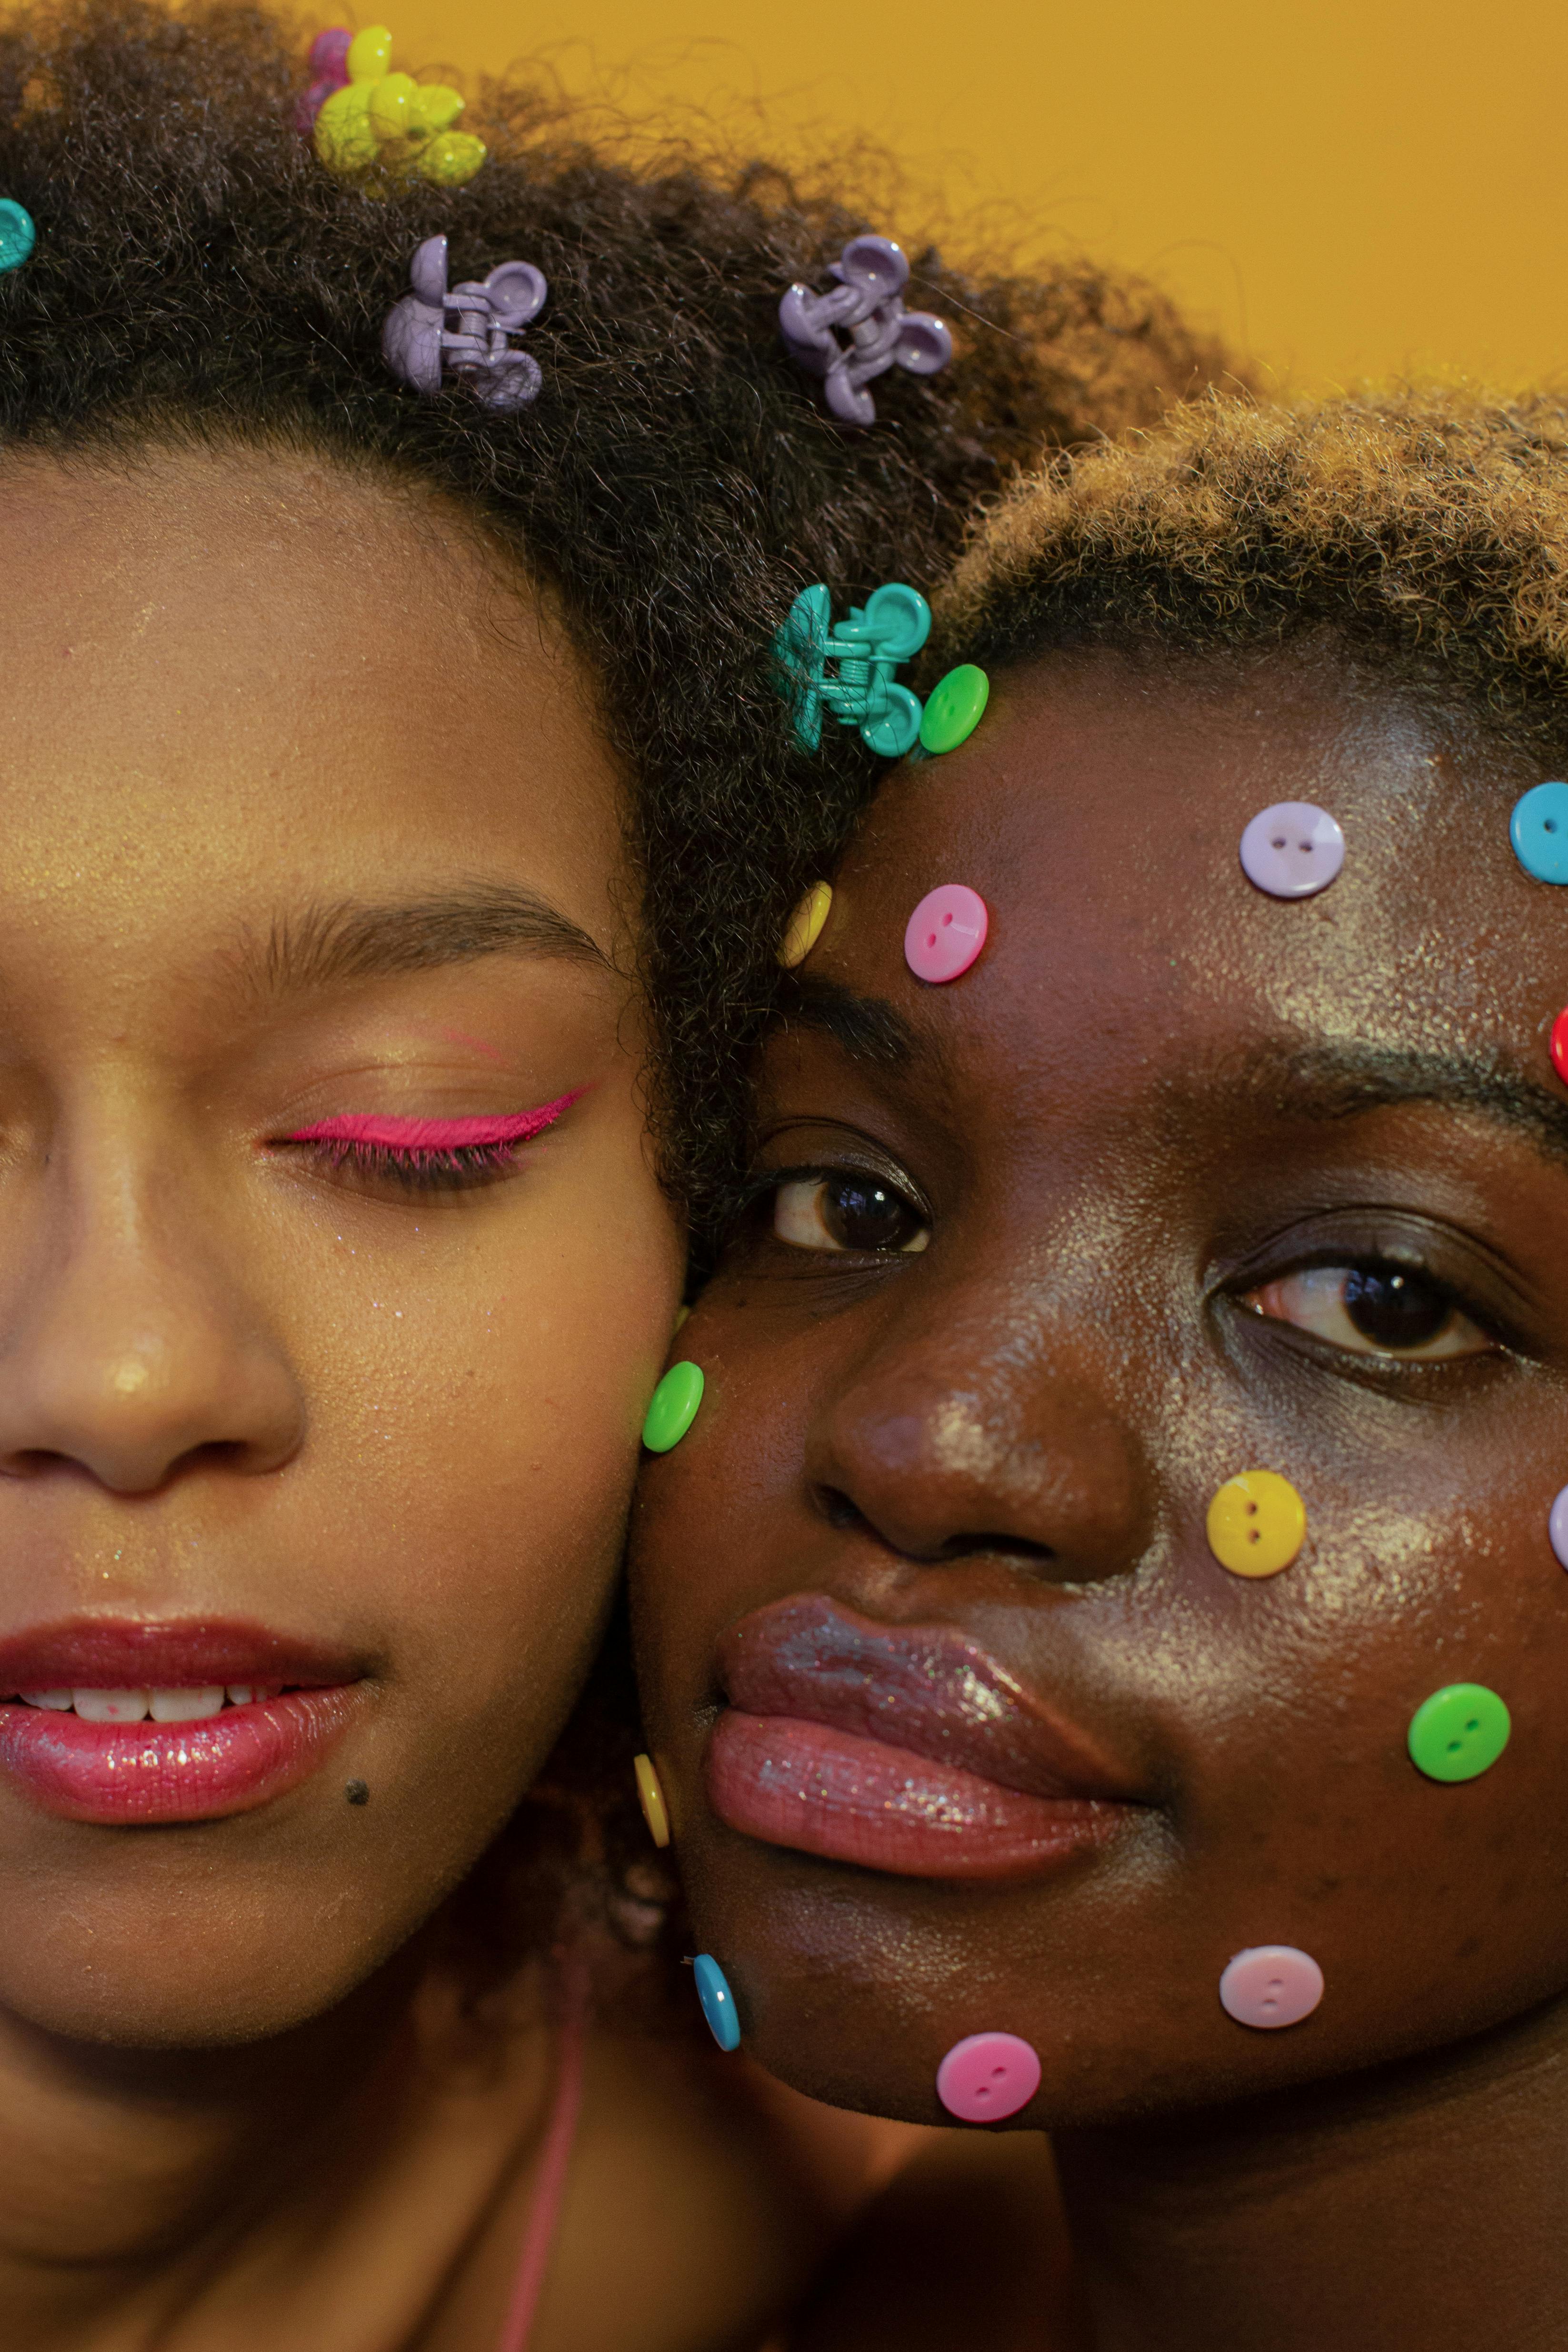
(717, 2000)
(1539, 832)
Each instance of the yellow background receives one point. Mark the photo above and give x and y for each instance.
(1347, 188)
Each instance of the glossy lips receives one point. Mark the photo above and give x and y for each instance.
(145, 1772)
(903, 1749)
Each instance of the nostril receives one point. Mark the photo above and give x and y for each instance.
(840, 1513)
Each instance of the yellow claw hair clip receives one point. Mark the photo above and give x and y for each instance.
(377, 119)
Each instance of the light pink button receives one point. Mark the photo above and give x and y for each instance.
(945, 932)
(987, 2076)
(1269, 1985)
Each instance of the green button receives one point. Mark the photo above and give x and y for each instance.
(1458, 1732)
(675, 1408)
(955, 707)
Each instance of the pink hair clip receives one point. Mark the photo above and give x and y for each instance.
(421, 347)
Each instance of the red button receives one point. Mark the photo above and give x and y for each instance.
(1560, 1044)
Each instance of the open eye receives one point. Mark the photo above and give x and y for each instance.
(1374, 1310)
(848, 1209)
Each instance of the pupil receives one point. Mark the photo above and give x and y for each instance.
(862, 1215)
(1395, 1310)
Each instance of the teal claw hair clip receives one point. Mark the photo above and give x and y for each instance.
(848, 668)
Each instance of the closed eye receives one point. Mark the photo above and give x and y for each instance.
(426, 1155)
(1375, 1309)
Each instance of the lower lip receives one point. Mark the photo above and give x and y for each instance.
(145, 1772)
(829, 1792)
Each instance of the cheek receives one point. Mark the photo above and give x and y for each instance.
(721, 1523)
(478, 1430)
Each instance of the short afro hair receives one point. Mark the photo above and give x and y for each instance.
(198, 272)
(1424, 529)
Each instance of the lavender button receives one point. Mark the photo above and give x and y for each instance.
(1293, 849)
(1557, 1526)
(1270, 1985)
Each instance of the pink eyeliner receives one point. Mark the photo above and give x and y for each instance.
(369, 1128)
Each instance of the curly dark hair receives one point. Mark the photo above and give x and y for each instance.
(198, 274)
(198, 271)
(1423, 529)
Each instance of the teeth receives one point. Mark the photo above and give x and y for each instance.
(186, 1705)
(111, 1705)
(163, 1706)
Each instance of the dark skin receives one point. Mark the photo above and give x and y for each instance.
(1126, 1167)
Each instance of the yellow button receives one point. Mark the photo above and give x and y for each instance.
(1257, 1524)
(806, 925)
(651, 1797)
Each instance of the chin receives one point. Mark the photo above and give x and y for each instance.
(189, 1959)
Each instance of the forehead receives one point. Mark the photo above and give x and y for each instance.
(1098, 810)
(216, 659)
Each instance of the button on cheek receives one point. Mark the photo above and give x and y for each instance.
(1257, 1524)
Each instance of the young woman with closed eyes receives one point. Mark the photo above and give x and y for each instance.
(984, 1703)
(394, 801)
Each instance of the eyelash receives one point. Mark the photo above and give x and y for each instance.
(426, 1155)
(416, 1168)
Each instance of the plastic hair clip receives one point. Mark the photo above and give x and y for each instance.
(329, 73)
(848, 669)
(17, 233)
(461, 331)
(861, 329)
(368, 117)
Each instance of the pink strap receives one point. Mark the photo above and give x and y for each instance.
(555, 2158)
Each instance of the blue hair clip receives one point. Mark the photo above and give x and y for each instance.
(848, 669)
(17, 234)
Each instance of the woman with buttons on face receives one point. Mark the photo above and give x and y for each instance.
(1104, 1629)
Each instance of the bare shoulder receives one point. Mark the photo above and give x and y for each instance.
(966, 2245)
(703, 2201)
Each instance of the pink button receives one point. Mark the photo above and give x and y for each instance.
(987, 2076)
(1269, 1985)
(945, 932)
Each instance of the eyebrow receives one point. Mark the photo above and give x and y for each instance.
(1342, 1079)
(349, 939)
(867, 1028)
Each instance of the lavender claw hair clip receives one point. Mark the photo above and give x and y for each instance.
(865, 306)
(419, 345)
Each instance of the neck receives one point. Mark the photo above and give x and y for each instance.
(121, 2170)
(1417, 2204)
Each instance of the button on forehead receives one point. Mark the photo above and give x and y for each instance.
(1293, 849)
(1539, 832)
(946, 933)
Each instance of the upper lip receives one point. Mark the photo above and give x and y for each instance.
(164, 1654)
(926, 1688)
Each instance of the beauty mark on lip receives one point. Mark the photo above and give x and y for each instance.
(390, 1134)
(125, 1722)
(908, 1749)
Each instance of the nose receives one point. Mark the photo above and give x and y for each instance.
(989, 1429)
(129, 1352)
